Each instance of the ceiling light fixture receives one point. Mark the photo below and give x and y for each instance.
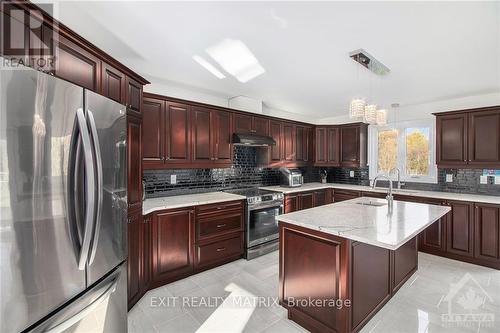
(236, 59)
(371, 114)
(381, 117)
(357, 108)
(209, 67)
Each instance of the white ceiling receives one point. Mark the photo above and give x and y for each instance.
(435, 50)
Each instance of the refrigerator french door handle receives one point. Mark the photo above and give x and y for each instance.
(97, 151)
(89, 182)
(87, 310)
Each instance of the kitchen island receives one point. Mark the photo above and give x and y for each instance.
(340, 263)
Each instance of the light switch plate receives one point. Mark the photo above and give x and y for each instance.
(351, 173)
(497, 180)
(449, 178)
(483, 180)
(173, 179)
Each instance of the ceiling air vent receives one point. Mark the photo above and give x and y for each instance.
(369, 61)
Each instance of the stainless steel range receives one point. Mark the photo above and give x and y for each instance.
(262, 210)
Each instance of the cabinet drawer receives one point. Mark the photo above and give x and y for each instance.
(212, 226)
(219, 208)
(214, 252)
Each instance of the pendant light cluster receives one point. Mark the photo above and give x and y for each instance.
(359, 109)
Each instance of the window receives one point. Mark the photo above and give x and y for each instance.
(408, 146)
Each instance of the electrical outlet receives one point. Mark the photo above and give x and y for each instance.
(173, 179)
(449, 178)
(351, 174)
(483, 180)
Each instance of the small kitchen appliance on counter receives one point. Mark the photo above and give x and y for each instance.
(291, 177)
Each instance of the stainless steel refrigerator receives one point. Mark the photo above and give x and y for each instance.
(63, 207)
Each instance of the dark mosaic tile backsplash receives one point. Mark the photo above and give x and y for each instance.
(246, 173)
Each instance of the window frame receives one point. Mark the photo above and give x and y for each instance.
(401, 127)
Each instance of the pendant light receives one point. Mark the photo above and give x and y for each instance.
(381, 117)
(357, 108)
(371, 113)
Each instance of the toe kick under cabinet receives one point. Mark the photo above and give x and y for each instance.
(185, 241)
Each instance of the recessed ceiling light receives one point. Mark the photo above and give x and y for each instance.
(209, 67)
(236, 59)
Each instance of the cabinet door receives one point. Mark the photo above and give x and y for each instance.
(177, 134)
(342, 195)
(460, 229)
(289, 142)
(320, 198)
(134, 261)
(277, 134)
(349, 146)
(113, 83)
(147, 252)
(487, 232)
(134, 165)
(173, 241)
(434, 236)
(299, 144)
(484, 138)
(76, 65)
(451, 143)
(133, 96)
(291, 203)
(320, 142)
(153, 137)
(202, 135)
(260, 126)
(332, 146)
(223, 147)
(306, 200)
(242, 123)
(14, 31)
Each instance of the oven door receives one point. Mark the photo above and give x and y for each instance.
(263, 224)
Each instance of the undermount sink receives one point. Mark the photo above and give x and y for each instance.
(372, 203)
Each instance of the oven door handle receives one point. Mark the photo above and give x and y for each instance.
(263, 206)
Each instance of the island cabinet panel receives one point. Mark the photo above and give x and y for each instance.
(405, 263)
(433, 238)
(173, 238)
(484, 137)
(370, 281)
(291, 203)
(299, 278)
(460, 229)
(487, 232)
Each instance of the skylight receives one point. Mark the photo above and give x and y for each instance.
(236, 59)
(209, 67)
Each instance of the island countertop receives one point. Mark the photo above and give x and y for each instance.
(367, 220)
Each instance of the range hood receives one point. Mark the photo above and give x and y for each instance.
(255, 140)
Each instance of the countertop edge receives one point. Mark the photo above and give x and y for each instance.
(190, 203)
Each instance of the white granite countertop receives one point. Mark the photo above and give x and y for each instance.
(179, 201)
(355, 220)
(492, 199)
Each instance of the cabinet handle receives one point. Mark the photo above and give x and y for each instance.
(221, 225)
(130, 220)
(221, 249)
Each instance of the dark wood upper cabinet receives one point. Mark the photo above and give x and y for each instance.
(487, 232)
(484, 137)
(153, 135)
(332, 146)
(202, 132)
(451, 145)
(353, 145)
(276, 132)
(177, 134)
(242, 123)
(134, 165)
(223, 149)
(113, 83)
(173, 238)
(133, 96)
(77, 65)
(320, 155)
(289, 148)
(260, 126)
(468, 138)
(303, 144)
(460, 228)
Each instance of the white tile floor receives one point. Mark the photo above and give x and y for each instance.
(417, 307)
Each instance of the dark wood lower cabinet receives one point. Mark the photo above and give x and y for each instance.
(291, 203)
(487, 233)
(433, 238)
(341, 195)
(460, 229)
(135, 236)
(306, 200)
